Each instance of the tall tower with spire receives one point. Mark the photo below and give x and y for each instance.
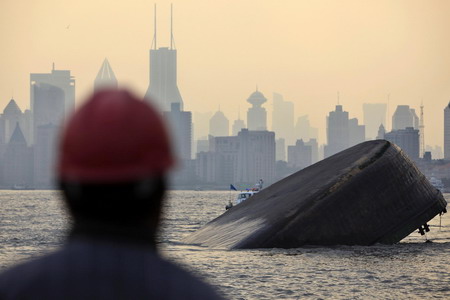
(105, 77)
(163, 88)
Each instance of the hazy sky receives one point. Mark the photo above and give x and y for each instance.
(305, 50)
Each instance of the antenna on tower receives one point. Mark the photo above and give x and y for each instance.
(422, 131)
(172, 41)
(154, 46)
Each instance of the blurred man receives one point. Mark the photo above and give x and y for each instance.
(114, 155)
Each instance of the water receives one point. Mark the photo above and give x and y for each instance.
(34, 222)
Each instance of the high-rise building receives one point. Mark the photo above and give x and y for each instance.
(180, 123)
(381, 132)
(283, 118)
(407, 139)
(299, 155)
(45, 155)
(105, 77)
(219, 124)
(337, 131)
(374, 115)
(257, 115)
(17, 161)
(314, 150)
(12, 115)
(163, 89)
(447, 132)
(280, 150)
(404, 117)
(303, 129)
(43, 90)
(256, 159)
(238, 125)
(356, 133)
(49, 105)
(58, 78)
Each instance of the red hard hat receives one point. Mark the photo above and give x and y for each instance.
(114, 137)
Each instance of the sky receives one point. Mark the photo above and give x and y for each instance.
(305, 50)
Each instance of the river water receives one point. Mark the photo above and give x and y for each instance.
(34, 222)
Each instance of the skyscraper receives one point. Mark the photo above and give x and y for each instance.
(58, 78)
(219, 125)
(404, 117)
(256, 158)
(238, 125)
(374, 115)
(12, 115)
(17, 168)
(283, 118)
(447, 132)
(407, 139)
(257, 115)
(337, 131)
(180, 123)
(163, 88)
(299, 155)
(58, 81)
(105, 77)
(356, 133)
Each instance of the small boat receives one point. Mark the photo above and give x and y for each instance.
(244, 195)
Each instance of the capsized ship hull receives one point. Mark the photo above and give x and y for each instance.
(370, 193)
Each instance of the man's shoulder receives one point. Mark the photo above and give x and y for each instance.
(74, 268)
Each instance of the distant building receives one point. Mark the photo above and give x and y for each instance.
(280, 150)
(447, 132)
(202, 145)
(314, 150)
(12, 115)
(300, 155)
(256, 158)
(219, 124)
(17, 162)
(61, 79)
(381, 132)
(416, 120)
(404, 117)
(241, 159)
(46, 89)
(201, 124)
(407, 139)
(163, 89)
(374, 115)
(283, 118)
(180, 123)
(49, 105)
(238, 125)
(303, 129)
(337, 131)
(356, 133)
(105, 77)
(45, 155)
(257, 115)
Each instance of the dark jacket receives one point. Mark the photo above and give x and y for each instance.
(91, 268)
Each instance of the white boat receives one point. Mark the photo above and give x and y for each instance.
(244, 195)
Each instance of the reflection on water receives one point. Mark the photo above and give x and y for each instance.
(32, 222)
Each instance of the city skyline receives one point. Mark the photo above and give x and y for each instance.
(364, 50)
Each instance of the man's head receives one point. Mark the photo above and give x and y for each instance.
(114, 155)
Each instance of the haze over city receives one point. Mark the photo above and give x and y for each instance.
(305, 50)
